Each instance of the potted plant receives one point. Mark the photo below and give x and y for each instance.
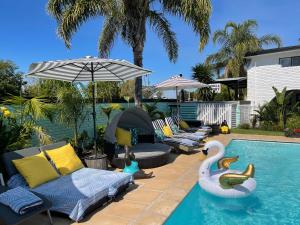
(99, 160)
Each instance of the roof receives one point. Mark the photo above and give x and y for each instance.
(240, 82)
(273, 50)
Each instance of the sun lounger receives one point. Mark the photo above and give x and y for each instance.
(183, 144)
(192, 136)
(205, 129)
(79, 192)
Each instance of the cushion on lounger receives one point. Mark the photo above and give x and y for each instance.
(123, 137)
(36, 170)
(9, 156)
(183, 125)
(174, 129)
(167, 131)
(65, 159)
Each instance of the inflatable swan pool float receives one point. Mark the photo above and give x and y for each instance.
(225, 182)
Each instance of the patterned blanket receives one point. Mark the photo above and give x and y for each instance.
(73, 194)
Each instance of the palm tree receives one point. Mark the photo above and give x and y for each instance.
(203, 73)
(23, 122)
(282, 100)
(129, 19)
(236, 40)
(153, 111)
(71, 107)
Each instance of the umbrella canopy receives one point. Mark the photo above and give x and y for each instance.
(81, 69)
(179, 83)
(87, 69)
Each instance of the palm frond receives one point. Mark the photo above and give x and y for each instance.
(163, 30)
(270, 40)
(109, 33)
(37, 107)
(70, 15)
(231, 25)
(42, 135)
(250, 25)
(194, 12)
(220, 36)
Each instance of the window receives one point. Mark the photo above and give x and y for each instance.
(285, 62)
(290, 61)
(296, 61)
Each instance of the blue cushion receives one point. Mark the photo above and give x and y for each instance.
(159, 135)
(174, 129)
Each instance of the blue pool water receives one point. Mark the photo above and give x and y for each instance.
(275, 201)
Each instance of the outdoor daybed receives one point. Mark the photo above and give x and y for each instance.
(147, 153)
(75, 194)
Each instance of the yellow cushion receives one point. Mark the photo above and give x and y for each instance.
(167, 131)
(183, 125)
(123, 137)
(65, 159)
(36, 169)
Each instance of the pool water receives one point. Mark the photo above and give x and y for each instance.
(276, 199)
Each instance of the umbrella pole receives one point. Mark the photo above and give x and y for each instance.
(94, 110)
(177, 100)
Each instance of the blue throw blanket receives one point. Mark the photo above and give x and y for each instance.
(73, 194)
(20, 200)
(82, 189)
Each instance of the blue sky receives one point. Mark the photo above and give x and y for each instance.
(28, 34)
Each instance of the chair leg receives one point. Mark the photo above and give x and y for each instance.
(50, 217)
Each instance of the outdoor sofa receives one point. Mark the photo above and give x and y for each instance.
(79, 193)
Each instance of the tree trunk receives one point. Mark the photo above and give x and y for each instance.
(138, 60)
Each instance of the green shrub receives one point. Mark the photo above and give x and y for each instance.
(244, 126)
(293, 122)
(288, 132)
(270, 126)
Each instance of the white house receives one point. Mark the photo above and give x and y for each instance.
(279, 67)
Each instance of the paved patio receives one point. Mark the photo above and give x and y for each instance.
(151, 201)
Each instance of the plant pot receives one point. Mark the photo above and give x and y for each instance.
(96, 163)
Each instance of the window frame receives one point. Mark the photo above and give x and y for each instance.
(285, 58)
(294, 58)
(291, 62)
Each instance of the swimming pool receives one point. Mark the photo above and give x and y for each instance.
(275, 201)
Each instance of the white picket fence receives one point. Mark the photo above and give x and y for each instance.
(211, 113)
(214, 112)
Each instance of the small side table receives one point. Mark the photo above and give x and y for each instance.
(9, 217)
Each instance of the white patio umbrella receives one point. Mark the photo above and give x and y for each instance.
(87, 69)
(178, 83)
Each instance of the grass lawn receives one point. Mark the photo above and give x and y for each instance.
(256, 131)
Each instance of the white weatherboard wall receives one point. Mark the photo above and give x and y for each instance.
(265, 72)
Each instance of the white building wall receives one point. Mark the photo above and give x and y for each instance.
(265, 72)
